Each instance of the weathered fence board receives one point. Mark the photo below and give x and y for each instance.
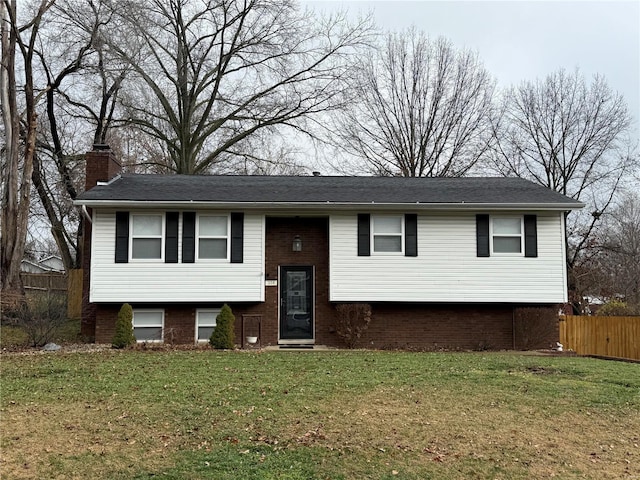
(74, 293)
(605, 336)
(47, 282)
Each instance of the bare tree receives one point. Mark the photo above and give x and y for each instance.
(621, 249)
(20, 128)
(82, 85)
(419, 108)
(570, 136)
(211, 74)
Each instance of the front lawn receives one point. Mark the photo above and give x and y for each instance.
(301, 415)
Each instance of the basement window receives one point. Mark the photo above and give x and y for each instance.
(205, 323)
(148, 325)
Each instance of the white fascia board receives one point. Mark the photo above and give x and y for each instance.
(317, 206)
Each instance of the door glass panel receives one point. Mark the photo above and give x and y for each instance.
(296, 321)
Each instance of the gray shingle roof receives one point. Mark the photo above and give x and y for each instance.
(324, 189)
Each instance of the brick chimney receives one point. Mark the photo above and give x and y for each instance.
(101, 166)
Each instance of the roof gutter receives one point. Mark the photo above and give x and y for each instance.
(323, 205)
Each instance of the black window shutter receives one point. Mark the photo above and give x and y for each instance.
(237, 237)
(530, 236)
(482, 235)
(171, 238)
(364, 234)
(188, 237)
(122, 237)
(411, 235)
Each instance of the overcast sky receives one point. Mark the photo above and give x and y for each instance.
(525, 40)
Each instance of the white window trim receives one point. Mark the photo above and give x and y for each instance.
(401, 235)
(491, 235)
(149, 310)
(227, 237)
(162, 237)
(204, 310)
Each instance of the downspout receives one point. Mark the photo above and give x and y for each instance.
(85, 213)
(513, 327)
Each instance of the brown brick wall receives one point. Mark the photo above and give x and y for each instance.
(101, 165)
(401, 326)
(433, 327)
(314, 233)
(179, 320)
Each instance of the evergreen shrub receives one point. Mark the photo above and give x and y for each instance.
(124, 336)
(223, 334)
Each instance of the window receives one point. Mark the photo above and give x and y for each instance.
(147, 325)
(213, 237)
(205, 323)
(387, 234)
(506, 234)
(146, 236)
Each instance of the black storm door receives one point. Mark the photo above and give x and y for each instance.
(296, 303)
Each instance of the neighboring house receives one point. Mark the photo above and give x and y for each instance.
(52, 263)
(443, 262)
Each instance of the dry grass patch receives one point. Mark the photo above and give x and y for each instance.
(82, 440)
(339, 415)
(426, 426)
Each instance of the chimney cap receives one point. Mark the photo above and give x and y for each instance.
(101, 146)
(316, 174)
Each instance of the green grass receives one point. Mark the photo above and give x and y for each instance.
(289, 415)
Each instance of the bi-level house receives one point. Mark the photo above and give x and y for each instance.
(442, 262)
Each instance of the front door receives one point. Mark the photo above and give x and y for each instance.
(296, 304)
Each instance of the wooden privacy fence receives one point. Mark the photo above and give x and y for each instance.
(605, 336)
(69, 283)
(45, 282)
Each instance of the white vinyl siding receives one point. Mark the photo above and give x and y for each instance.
(205, 323)
(176, 282)
(148, 325)
(447, 268)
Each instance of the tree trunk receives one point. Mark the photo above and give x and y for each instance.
(12, 237)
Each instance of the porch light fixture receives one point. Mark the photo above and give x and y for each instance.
(297, 244)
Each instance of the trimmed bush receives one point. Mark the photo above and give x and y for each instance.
(223, 334)
(124, 328)
(536, 327)
(353, 319)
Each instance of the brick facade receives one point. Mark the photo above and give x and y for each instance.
(401, 326)
(101, 166)
(404, 326)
